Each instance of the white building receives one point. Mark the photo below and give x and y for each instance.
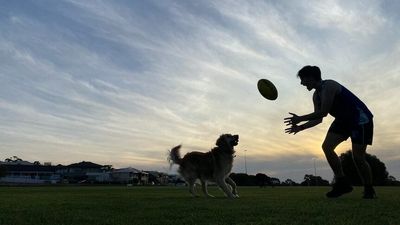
(130, 175)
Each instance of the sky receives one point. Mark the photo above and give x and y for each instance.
(122, 82)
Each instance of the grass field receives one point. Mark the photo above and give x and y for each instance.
(173, 205)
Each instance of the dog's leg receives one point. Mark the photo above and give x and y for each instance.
(224, 186)
(191, 188)
(233, 185)
(204, 187)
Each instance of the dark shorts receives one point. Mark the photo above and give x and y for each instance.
(360, 134)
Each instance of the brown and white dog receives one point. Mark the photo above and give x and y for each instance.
(215, 165)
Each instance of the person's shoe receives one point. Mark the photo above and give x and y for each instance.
(339, 188)
(369, 193)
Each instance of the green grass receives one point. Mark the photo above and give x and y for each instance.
(173, 205)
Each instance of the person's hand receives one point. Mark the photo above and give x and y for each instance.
(291, 121)
(294, 129)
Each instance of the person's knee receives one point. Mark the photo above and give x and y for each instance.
(327, 148)
(358, 152)
(358, 157)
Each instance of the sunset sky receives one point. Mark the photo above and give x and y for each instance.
(121, 82)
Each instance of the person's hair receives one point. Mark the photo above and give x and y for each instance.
(310, 71)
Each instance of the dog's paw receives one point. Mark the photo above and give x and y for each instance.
(231, 196)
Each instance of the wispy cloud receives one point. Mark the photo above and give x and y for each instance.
(121, 82)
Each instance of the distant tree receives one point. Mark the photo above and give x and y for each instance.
(262, 179)
(311, 180)
(379, 172)
(13, 159)
(16, 158)
(36, 163)
(242, 179)
(274, 181)
(239, 178)
(107, 167)
(289, 182)
(391, 181)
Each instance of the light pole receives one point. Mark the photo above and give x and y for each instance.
(315, 168)
(315, 173)
(245, 161)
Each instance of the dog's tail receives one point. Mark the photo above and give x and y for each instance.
(175, 155)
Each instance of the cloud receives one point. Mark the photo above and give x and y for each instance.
(121, 82)
(353, 18)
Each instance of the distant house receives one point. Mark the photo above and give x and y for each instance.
(175, 179)
(130, 175)
(85, 172)
(17, 171)
(16, 162)
(99, 177)
(157, 178)
(29, 173)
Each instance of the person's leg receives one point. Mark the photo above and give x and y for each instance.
(331, 141)
(361, 137)
(341, 185)
(363, 168)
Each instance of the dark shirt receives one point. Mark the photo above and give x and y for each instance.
(349, 109)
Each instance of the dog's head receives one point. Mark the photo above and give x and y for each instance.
(228, 140)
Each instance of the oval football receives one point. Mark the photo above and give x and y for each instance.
(267, 89)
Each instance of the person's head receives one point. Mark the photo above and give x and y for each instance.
(310, 76)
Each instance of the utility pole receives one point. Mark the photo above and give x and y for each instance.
(315, 168)
(245, 161)
(315, 173)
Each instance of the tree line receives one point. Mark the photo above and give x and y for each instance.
(381, 176)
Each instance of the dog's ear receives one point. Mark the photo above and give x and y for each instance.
(221, 141)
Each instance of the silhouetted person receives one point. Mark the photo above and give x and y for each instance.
(352, 119)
